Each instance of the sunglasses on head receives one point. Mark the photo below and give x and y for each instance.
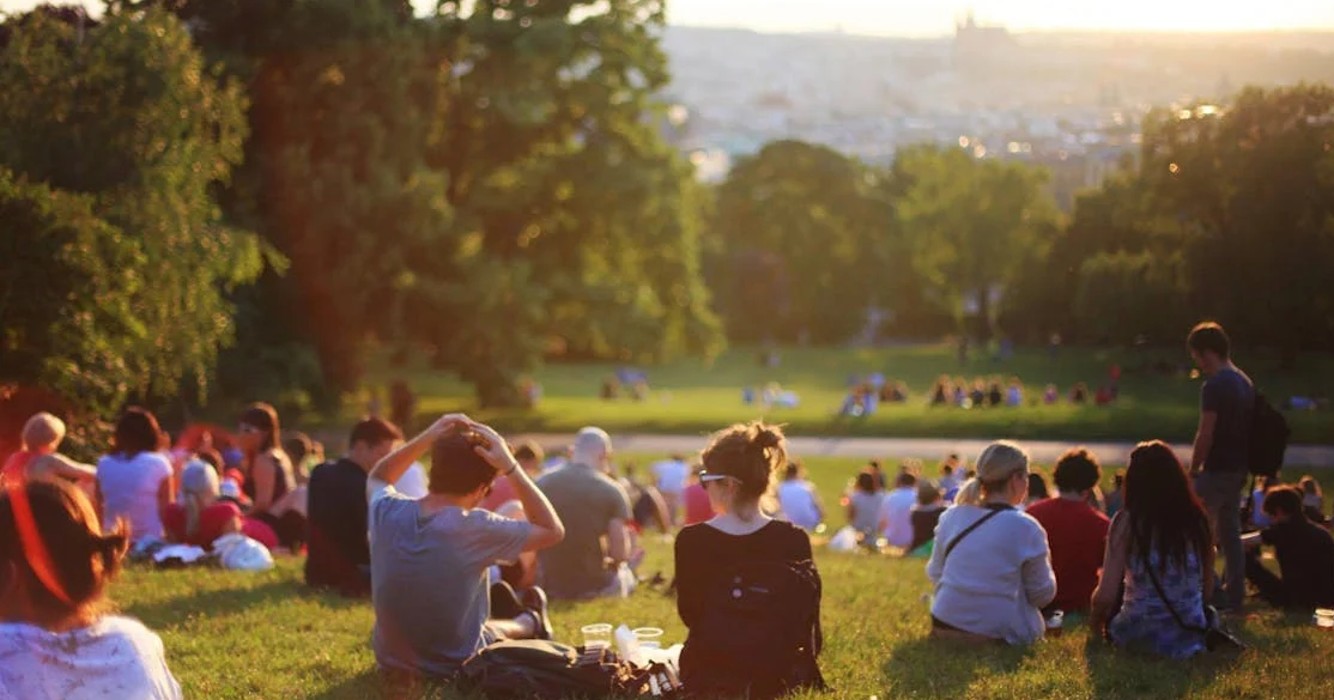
(707, 478)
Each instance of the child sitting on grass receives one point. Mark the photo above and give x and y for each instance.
(42, 435)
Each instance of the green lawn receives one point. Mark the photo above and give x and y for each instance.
(231, 635)
(688, 397)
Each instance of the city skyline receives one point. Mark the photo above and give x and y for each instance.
(925, 18)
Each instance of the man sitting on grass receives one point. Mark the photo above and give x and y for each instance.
(1305, 553)
(594, 507)
(1076, 532)
(339, 555)
(434, 606)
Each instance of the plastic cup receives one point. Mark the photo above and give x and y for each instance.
(649, 637)
(596, 636)
(1324, 618)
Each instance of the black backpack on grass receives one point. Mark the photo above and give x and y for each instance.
(542, 670)
(1269, 438)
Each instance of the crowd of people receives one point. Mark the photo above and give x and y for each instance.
(468, 552)
(866, 394)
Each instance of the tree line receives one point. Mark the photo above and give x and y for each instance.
(248, 198)
(1226, 211)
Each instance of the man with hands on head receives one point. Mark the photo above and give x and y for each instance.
(434, 606)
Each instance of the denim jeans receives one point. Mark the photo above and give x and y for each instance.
(1221, 493)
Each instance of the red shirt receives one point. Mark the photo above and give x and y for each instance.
(698, 508)
(1077, 535)
(211, 522)
(259, 531)
(502, 492)
(16, 467)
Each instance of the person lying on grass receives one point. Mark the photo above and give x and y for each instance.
(434, 606)
(55, 639)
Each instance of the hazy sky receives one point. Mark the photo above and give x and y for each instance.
(936, 17)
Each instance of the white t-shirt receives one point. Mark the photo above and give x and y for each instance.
(671, 475)
(996, 581)
(413, 482)
(115, 657)
(129, 491)
(896, 513)
(797, 499)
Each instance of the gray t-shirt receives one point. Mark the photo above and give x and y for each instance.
(1230, 394)
(586, 501)
(429, 580)
(866, 512)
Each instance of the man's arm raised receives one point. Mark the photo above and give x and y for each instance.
(548, 530)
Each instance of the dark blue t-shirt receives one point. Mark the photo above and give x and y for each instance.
(1230, 394)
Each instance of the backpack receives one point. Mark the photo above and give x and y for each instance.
(542, 670)
(1269, 438)
(759, 633)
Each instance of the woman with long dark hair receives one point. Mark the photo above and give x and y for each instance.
(269, 478)
(1161, 548)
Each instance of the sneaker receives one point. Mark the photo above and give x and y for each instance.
(535, 602)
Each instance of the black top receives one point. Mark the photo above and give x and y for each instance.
(702, 551)
(338, 552)
(283, 480)
(924, 526)
(1305, 553)
(1230, 394)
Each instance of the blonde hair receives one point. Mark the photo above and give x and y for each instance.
(43, 430)
(970, 494)
(998, 462)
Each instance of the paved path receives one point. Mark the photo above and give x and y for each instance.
(1043, 451)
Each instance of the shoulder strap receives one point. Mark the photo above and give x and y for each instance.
(1148, 566)
(968, 531)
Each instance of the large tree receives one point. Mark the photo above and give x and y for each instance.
(1252, 187)
(971, 224)
(798, 244)
(128, 133)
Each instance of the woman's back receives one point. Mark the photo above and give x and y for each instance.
(866, 512)
(1146, 619)
(114, 657)
(796, 498)
(998, 576)
(708, 561)
(130, 488)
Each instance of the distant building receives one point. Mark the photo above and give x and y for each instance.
(976, 45)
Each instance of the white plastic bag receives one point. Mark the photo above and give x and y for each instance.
(845, 540)
(236, 551)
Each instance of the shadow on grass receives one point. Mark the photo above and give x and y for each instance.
(371, 684)
(914, 668)
(171, 612)
(1117, 673)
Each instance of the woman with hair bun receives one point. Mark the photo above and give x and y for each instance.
(991, 565)
(740, 543)
(56, 640)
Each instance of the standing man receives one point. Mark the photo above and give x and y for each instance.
(1219, 459)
